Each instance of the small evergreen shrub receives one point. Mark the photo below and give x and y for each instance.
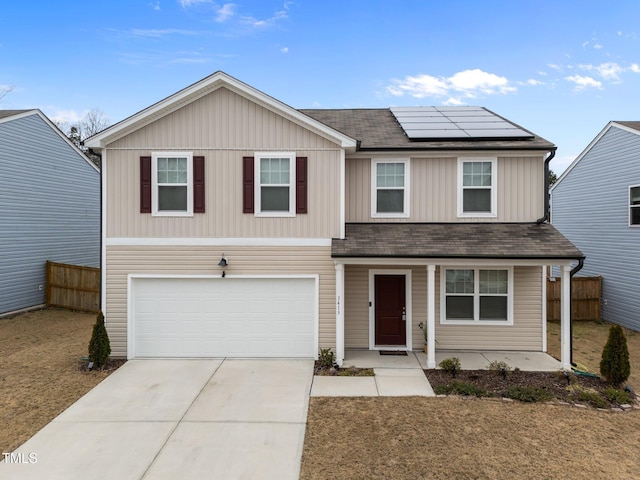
(614, 365)
(327, 358)
(501, 368)
(99, 345)
(588, 395)
(615, 395)
(528, 394)
(461, 388)
(451, 365)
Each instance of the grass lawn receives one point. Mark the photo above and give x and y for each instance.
(360, 438)
(455, 438)
(39, 370)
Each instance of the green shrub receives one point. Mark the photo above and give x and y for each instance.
(588, 395)
(461, 388)
(501, 368)
(614, 365)
(99, 346)
(327, 358)
(528, 394)
(451, 365)
(615, 395)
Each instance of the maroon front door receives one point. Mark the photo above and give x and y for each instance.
(391, 328)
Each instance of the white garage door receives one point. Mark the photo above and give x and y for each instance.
(223, 317)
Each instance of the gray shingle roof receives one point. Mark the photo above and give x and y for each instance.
(454, 240)
(10, 113)
(634, 125)
(378, 129)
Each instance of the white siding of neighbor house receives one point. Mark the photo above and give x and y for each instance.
(590, 206)
(525, 334)
(223, 127)
(200, 260)
(434, 187)
(49, 209)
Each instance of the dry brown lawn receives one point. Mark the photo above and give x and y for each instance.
(40, 374)
(455, 438)
(360, 438)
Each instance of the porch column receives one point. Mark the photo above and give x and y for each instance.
(431, 316)
(565, 318)
(339, 313)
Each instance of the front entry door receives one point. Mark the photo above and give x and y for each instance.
(390, 314)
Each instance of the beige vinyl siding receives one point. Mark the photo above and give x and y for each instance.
(356, 304)
(524, 334)
(434, 190)
(192, 260)
(223, 127)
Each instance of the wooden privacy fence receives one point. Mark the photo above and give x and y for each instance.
(73, 287)
(585, 298)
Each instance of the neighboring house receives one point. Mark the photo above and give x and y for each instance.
(235, 225)
(596, 204)
(49, 206)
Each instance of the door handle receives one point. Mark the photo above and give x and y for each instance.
(404, 314)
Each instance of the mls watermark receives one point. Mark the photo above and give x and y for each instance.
(28, 458)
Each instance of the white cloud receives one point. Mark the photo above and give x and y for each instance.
(635, 68)
(189, 3)
(225, 12)
(66, 117)
(156, 5)
(466, 84)
(582, 83)
(157, 33)
(608, 71)
(554, 66)
(585, 44)
(598, 46)
(284, 49)
(533, 82)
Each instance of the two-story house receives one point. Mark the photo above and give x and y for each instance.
(235, 225)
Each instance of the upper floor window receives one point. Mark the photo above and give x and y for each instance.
(390, 188)
(477, 295)
(172, 183)
(634, 205)
(275, 185)
(477, 187)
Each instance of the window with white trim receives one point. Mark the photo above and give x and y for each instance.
(477, 295)
(390, 188)
(477, 187)
(634, 205)
(275, 184)
(172, 183)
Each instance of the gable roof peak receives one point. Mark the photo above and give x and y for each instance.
(201, 88)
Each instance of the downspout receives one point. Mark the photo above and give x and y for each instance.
(573, 271)
(545, 218)
(100, 306)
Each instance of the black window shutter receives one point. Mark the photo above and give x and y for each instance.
(301, 184)
(198, 185)
(145, 184)
(247, 185)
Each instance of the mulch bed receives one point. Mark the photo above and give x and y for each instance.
(341, 372)
(561, 388)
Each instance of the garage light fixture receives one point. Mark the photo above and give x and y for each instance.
(222, 264)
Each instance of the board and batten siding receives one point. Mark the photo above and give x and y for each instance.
(434, 190)
(223, 127)
(525, 334)
(590, 206)
(198, 260)
(49, 209)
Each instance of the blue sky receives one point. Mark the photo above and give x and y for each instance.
(562, 69)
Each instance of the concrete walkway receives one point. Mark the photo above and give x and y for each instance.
(178, 419)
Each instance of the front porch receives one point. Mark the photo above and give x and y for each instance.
(469, 359)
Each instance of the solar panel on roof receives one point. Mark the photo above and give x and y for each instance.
(428, 123)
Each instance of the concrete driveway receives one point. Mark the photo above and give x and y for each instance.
(178, 419)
